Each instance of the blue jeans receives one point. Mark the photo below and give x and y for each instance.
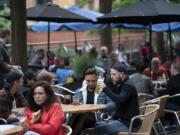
(31, 133)
(172, 106)
(109, 128)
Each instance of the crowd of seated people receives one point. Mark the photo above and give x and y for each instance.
(119, 91)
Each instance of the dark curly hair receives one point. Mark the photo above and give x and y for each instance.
(51, 98)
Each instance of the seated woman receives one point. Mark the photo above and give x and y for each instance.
(44, 115)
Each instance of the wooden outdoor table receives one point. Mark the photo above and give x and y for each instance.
(83, 108)
(73, 108)
(10, 129)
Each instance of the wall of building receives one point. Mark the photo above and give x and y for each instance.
(64, 3)
(30, 3)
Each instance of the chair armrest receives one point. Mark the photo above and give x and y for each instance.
(126, 133)
(106, 116)
(139, 117)
(170, 111)
(2, 119)
(176, 95)
(57, 94)
(64, 88)
(67, 129)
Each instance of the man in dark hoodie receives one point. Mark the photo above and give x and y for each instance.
(124, 94)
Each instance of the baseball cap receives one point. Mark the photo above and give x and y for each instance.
(120, 67)
(11, 77)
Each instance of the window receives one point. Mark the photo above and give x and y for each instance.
(42, 1)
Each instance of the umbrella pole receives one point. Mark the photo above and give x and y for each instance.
(48, 44)
(150, 41)
(75, 39)
(170, 40)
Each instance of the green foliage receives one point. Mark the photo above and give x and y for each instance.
(120, 3)
(81, 62)
(4, 23)
(176, 1)
(81, 3)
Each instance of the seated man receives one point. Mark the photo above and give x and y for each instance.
(29, 79)
(13, 83)
(156, 71)
(91, 93)
(173, 87)
(142, 83)
(124, 94)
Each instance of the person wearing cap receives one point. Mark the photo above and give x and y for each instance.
(5, 65)
(9, 96)
(124, 94)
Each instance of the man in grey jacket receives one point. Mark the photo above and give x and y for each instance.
(142, 83)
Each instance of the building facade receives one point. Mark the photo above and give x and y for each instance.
(63, 3)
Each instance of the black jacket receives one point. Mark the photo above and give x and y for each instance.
(173, 87)
(4, 59)
(124, 94)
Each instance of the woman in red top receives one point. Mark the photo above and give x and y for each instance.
(44, 115)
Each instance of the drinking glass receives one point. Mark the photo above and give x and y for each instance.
(76, 100)
(67, 99)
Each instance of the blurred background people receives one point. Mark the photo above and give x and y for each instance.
(50, 58)
(142, 83)
(29, 79)
(62, 74)
(38, 60)
(156, 71)
(58, 63)
(103, 59)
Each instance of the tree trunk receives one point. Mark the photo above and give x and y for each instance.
(105, 6)
(160, 44)
(18, 34)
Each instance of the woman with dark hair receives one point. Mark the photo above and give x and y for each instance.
(43, 115)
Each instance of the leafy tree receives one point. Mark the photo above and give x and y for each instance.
(4, 23)
(120, 3)
(177, 1)
(81, 3)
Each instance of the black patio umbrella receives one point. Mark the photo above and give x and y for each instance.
(52, 13)
(146, 12)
